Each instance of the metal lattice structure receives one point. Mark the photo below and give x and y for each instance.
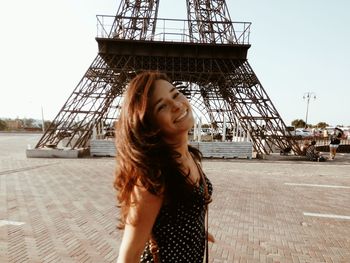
(210, 21)
(205, 56)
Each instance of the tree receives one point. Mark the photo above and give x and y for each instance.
(47, 124)
(29, 123)
(299, 123)
(3, 125)
(322, 125)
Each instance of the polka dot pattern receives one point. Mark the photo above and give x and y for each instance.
(180, 234)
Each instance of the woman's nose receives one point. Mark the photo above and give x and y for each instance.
(176, 105)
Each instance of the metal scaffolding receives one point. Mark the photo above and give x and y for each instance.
(206, 57)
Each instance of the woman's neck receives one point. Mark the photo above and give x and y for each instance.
(180, 145)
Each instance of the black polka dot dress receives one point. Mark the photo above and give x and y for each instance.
(180, 235)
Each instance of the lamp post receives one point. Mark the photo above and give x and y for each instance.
(42, 119)
(308, 95)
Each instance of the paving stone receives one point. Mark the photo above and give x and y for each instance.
(257, 214)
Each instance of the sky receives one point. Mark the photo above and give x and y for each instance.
(297, 46)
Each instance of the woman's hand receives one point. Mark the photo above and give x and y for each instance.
(211, 238)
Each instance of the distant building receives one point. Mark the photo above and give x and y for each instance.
(14, 124)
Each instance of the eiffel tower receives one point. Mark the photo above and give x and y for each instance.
(206, 57)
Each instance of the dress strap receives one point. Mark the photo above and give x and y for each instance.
(202, 175)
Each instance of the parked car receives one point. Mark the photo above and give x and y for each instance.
(303, 133)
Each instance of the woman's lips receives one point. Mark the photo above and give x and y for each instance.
(182, 116)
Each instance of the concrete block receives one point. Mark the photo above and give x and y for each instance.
(55, 153)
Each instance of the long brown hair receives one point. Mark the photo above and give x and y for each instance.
(142, 156)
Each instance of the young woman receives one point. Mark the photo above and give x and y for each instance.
(162, 191)
(334, 142)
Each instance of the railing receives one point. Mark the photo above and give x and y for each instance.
(326, 141)
(173, 30)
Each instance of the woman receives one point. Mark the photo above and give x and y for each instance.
(162, 190)
(334, 143)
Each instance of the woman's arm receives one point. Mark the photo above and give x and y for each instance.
(139, 225)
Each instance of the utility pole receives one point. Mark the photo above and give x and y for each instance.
(308, 95)
(42, 119)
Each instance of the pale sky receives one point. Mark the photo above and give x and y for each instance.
(298, 46)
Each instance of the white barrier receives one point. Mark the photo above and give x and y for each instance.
(209, 149)
(225, 149)
(102, 148)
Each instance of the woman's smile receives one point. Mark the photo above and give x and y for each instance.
(182, 116)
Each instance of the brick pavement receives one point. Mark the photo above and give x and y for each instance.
(257, 215)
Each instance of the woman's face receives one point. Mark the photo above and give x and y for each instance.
(170, 110)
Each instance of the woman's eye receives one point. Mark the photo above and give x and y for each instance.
(176, 95)
(161, 107)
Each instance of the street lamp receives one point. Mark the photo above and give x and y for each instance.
(308, 95)
(42, 119)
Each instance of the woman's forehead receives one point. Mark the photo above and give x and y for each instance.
(161, 89)
(163, 84)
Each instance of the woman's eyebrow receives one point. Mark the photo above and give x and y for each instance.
(159, 100)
